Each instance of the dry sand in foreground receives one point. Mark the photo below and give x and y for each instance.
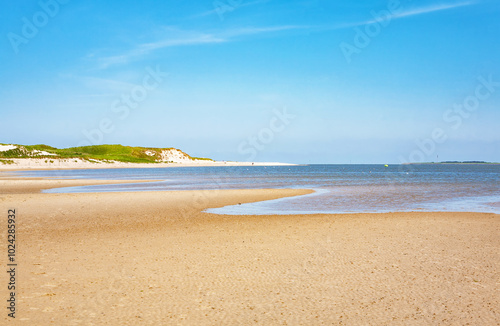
(152, 258)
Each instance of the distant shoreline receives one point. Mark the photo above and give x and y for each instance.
(26, 164)
(458, 162)
(43, 157)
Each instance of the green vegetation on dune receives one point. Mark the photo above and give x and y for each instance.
(14, 153)
(201, 158)
(6, 162)
(40, 147)
(118, 153)
(111, 153)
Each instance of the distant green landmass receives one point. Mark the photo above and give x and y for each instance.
(98, 152)
(465, 162)
(458, 162)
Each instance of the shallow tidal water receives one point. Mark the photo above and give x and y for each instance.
(338, 188)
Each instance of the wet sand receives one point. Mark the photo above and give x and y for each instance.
(10, 185)
(154, 258)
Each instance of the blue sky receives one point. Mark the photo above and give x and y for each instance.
(308, 81)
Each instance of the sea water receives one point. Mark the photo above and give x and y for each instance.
(338, 188)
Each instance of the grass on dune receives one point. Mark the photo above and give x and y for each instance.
(97, 152)
(6, 162)
(109, 152)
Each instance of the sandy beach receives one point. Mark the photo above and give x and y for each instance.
(154, 258)
(22, 164)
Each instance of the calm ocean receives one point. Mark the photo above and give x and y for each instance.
(339, 188)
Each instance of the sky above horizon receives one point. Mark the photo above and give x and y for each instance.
(309, 81)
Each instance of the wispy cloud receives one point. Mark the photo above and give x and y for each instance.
(146, 48)
(184, 38)
(433, 8)
(216, 11)
(414, 12)
(177, 38)
(231, 34)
